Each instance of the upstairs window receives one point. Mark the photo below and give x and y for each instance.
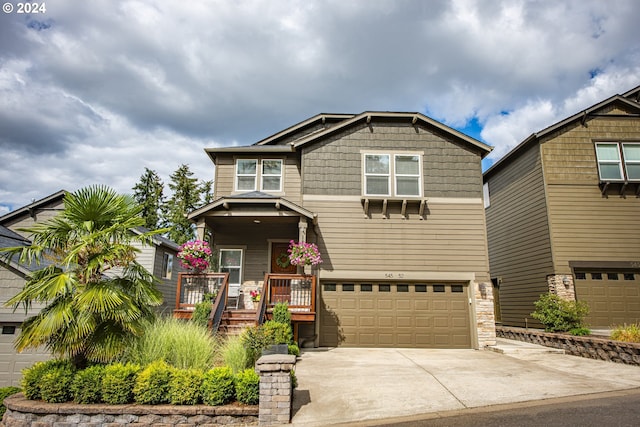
(618, 161)
(397, 175)
(246, 173)
(267, 172)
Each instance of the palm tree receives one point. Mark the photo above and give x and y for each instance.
(97, 295)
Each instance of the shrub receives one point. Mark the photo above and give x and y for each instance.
(580, 331)
(254, 340)
(248, 387)
(87, 385)
(294, 379)
(118, 383)
(181, 344)
(277, 333)
(281, 313)
(626, 333)
(152, 384)
(202, 310)
(559, 315)
(4, 393)
(234, 355)
(184, 386)
(55, 384)
(294, 349)
(31, 377)
(217, 386)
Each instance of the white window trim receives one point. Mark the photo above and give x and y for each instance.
(241, 267)
(262, 175)
(167, 267)
(258, 176)
(486, 195)
(396, 175)
(365, 174)
(238, 175)
(392, 176)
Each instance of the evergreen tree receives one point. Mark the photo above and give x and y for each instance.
(185, 198)
(148, 192)
(206, 188)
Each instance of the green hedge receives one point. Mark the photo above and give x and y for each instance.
(218, 386)
(4, 393)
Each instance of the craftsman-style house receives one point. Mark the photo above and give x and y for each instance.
(394, 203)
(562, 214)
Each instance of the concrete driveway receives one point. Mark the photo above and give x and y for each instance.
(348, 385)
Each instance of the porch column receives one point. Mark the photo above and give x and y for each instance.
(302, 229)
(201, 229)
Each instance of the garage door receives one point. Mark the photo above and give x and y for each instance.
(420, 315)
(12, 363)
(613, 296)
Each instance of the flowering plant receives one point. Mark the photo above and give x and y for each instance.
(195, 255)
(303, 253)
(255, 295)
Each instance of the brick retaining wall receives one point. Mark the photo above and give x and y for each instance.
(588, 346)
(22, 412)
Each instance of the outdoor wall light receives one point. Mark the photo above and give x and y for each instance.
(566, 282)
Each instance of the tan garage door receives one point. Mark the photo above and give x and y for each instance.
(369, 314)
(613, 296)
(12, 363)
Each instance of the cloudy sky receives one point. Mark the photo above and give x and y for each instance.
(92, 92)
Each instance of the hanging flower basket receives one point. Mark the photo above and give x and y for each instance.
(303, 253)
(194, 255)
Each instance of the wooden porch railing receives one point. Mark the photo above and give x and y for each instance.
(297, 290)
(192, 289)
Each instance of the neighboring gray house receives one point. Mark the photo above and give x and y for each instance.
(160, 259)
(394, 202)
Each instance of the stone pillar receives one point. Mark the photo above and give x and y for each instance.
(276, 392)
(485, 314)
(562, 285)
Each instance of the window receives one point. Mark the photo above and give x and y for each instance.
(366, 288)
(398, 178)
(629, 276)
(581, 276)
(8, 330)
(231, 262)
(271, 175)
(596, 276)
(246, 170)
(631, 154)
(329, 287)
(612, 276)
(421, 288)
(485, 195)
(266, 171)
(438, 288)
(167, 266)
(347, 287)
(618, 161)
(377, 174)
(407, 175)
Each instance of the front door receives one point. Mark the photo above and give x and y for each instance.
(280, 263)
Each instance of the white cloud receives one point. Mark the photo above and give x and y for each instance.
(92, 92)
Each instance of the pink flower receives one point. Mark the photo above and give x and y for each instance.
(195, 255)
(303, 253)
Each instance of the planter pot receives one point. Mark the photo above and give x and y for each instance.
(276, 349)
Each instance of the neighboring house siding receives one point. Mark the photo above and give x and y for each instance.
(518, 235)
(41, 214)
(585, 225)
(333, 166)
(225, 175)
(451, 238)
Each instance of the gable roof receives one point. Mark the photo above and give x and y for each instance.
(626, 99)
(33, 206)
(11, 239)
(332, 123)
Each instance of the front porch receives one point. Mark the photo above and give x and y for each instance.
(297, 290)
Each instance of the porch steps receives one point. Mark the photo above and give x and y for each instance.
(234, 321)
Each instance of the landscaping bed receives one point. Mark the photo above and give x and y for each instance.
(24, 412)
(592, 347)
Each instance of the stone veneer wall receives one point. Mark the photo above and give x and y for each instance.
(22, 412)
(562, 286)
(587, 346)
(485, 316)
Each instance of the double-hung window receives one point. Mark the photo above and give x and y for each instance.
(392, 175)
(618, 161)
(231, 262)
(265, 172)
